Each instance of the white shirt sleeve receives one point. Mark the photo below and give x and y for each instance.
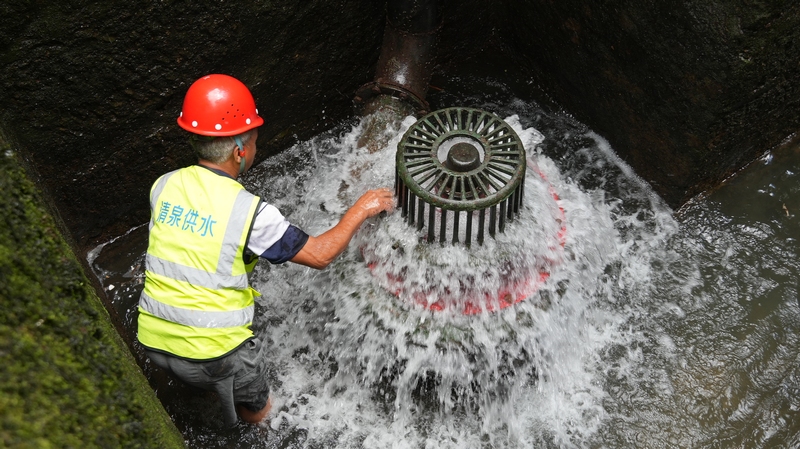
(269, 225)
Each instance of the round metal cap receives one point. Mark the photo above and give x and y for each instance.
(463, 157)
(460, 163)
(452, 180)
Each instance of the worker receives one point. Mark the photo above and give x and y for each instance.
(206, 235)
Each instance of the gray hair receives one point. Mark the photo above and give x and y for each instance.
(217, 149)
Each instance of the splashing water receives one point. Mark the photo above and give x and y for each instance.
(651, 329)
(361, 366)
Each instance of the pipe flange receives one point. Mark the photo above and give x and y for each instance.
(374, 89)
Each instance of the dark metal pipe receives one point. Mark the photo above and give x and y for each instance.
(406, 61)
(409, 41)
(404, 67)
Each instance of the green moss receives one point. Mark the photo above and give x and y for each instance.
(66, 377)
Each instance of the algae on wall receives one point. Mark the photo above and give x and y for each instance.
(66, 377)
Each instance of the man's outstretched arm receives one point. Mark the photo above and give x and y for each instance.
(320, 251)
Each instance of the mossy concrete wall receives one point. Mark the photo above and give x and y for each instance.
(66, 377)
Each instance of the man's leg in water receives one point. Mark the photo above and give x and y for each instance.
(252, 417)
(252, 395)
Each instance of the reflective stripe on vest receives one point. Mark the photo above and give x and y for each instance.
(194, 276)
(196, 318)
(156, 192)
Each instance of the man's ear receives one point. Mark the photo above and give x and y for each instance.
(237, 151)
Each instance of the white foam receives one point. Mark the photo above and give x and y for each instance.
(351, 355)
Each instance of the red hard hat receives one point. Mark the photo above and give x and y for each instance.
(219, 105)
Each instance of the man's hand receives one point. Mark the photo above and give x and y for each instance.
(374, 202)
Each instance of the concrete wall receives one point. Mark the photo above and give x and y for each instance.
(66, 377)
(686, 92)
(91, 90)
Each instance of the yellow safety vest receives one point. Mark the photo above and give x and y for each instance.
(197, 302)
